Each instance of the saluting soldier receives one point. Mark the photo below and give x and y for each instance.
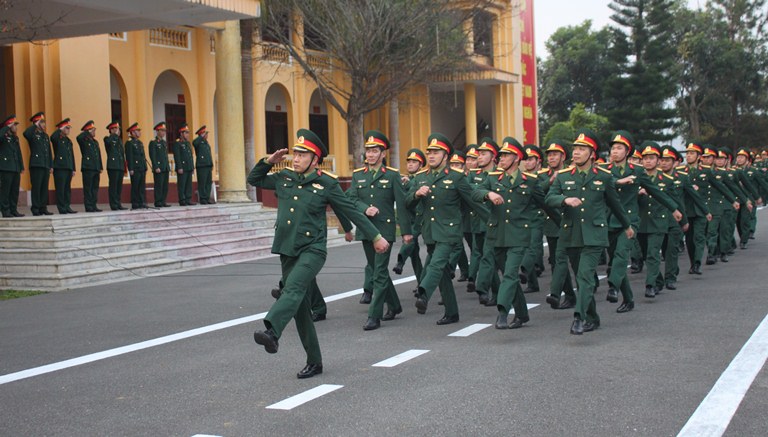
(443, 193)
(586, 192)
(11, 167)
(414, 161)
(40, 163)
(203, 166)
(376, 190)
(63, 166)
(303, 194)
(137, 167)
(90, 165)
(716, 194)
(115, 165)
(158, 154)
(185, 166)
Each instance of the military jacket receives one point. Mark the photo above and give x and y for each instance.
(586, 225)
(40, 155)
(551, 227)
(203, 156)
(182, 155)
(510, 224)
(301, 208)
(477, 178)
(628, 193)
(417, 213)
(134, 155)
(683, 192)
(450, 194)
(89, 152)
(10, 152)
(755, 175)
(730, 180)
(654, 218)
(115, 153)
(158, 154)
(63, 153)
(748, 185)
(384, 191)
(711, 186)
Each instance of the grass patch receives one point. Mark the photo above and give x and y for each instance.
(15, 294)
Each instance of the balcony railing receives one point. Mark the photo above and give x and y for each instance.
(119, 36)
(174, 38)
(275, 53)
(329, 164)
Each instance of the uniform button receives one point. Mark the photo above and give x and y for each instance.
(432, 197)
(300, 186)
(583, 188)
(565, 226)
(629, 212)
(433, 186)
(289, 222)
(582, 209)
(507, 210)
(433, 219)
(388, 220)
(582, 199)
(525, 225)
(295, 197)
(291, 209)
(371, 186)
(432, 208)
(308, 234)
(509, 201)
(507, 221)
(450, 224)
(582, 220)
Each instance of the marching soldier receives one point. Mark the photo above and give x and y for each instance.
(459, 256)
(40, 163)
(158, 154)
(90, 165)
(115, 165)
(376, 191)
(203, 166)
(303, 193)
(137, 167)
(415, 160)
(441, 191)
(746, 194)
(586, 192)
(696, 235)
(716, 194)
(185, 166)
(534, 256)
(11, 167)
(749, 172)
(63, 166)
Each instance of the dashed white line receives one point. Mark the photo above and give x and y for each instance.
(529, 305)
(302, 398)
(469, 330)
(401, 358)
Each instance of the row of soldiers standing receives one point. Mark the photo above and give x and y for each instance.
(54, 155)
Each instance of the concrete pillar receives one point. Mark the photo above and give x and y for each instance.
(229, 106)
(470, 113)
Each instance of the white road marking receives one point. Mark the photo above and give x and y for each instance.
(530, 306)
(205, 435)
(302, 398)
(715, 412)
(401, 358)
(469, 330)
(351, 293)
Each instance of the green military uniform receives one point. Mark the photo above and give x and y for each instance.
(90, 166)
(204, 167)
(11, 166)
(63, 167)
(185, 165)
(382, 189)
(534, 256)
(584, 230)
(40, 162)
(744, 194)
(459, 256)
(158, 156)
(749, 172)
(137, 168)
(411, 250)
(300, 240)
(115, 167)
(449, 193)
(716, 194)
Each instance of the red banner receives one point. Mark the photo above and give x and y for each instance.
(528, 65)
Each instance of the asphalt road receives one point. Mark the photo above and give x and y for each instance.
(642, 373)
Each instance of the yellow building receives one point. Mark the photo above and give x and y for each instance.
(170, 73)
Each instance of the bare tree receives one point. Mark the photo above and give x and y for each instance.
(28, 24)
(364, 53)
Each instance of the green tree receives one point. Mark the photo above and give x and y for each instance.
(578, 118)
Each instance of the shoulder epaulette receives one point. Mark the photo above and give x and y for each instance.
(681, 167)
(396, 170)
(543, 171)
(494, 173)
(705, 166)
(330, 174)
(603, 163)
(423, 171)
(358, 169)
(457, 170)
(566, 170)
(684, 173)
(605, 170)
(668, 176)
(531, 175)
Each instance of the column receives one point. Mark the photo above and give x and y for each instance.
(470, 113)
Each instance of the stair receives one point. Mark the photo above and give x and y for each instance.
(59, 252)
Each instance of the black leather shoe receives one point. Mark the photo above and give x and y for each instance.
(365, 299)
(46, 212)
(310, 370)
(483, 298)
(523, 278)
(37, 213)
(553, 301)
(316, 317)
(462, 278)
(577, 327)
(650, 292)
(97, 210)
(447, 320)
(9, 215)
(17, 214)
(440, 302)
(276, 293)
(591, 326)
(491, 302)
(421, 305)
(518, 322)
(567, 303)
(723, 257)
(743, 245)
(613, 295)
(671, 286)
(501, 321)
(697, 268)
(636, 267)
(371, 324)
(268, 339)
(398, 268)
(625, 307)
(191, 203)
(165, 205)
(471, 286)
(390, 314)
(711, 260)
(530, 290)
(71, 211)
(122, 208)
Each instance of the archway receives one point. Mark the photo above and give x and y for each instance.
(171, 102)
(318, 117)
(118, 96)
(277, 108)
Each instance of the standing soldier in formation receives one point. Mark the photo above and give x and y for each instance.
(185, 166)
(376, 191)
(158, 154)
(63, 166)
(11, 167)
(414, 160)
(90, 165)
(40, 162)
(115, 165)
(304, 193)
(137, 167)
(204, 166)
(586, 193)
